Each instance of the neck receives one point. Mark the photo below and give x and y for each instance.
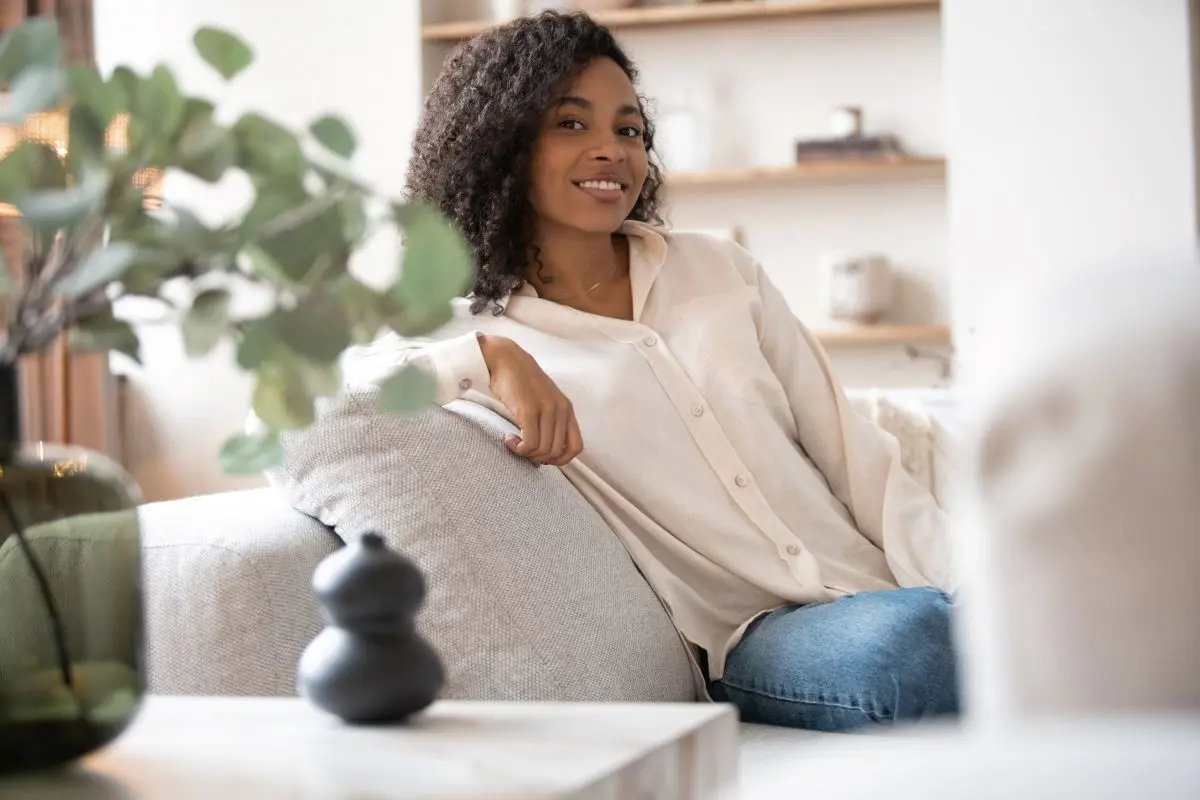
(568, 264)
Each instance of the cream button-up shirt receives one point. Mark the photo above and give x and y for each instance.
(717, 443)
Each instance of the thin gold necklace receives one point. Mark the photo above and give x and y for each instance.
(605, 279)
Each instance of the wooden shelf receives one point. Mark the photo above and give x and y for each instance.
(697, 13)
(868, 335)
(825, 170)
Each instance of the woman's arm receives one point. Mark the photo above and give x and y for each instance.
(860, 461)
(456, 363)
(493, 371)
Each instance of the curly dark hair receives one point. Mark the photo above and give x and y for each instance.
(473, 147)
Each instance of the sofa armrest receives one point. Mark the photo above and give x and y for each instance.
(229, 607)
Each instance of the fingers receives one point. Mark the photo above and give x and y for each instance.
(574, 439)
(562, 422)
(526, 443)
(537, 437)
(551, 437)
(545, 437)
(573, 445)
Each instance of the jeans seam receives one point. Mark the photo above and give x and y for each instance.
(804, 700)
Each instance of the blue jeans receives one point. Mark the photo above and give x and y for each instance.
(874, 657)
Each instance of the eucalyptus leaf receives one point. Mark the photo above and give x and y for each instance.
(296, 230)
(281, 397)
(35, 90)
(158, 106)
(124, 83)
(103, 332)
(256, 345)
(322, 380)
(87, 135)
(101, 267)
(89, 91)
(316, 329)
(150, 268)
(30, 165)
(367, 310)
(197, 108)
(354, 218)
(272, 199)
(51, 209)
(408, 390)
(336, 172)
(206, 149)
(200, 136)
(188, 233)
(251, 453)
(223, 51)
(416, 319)
(33, 43)
(438, 265)
(261, 265)
(206, 322)
(213, 165)
(266, 147)
(335, 134)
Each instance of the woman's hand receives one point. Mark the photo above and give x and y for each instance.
(549, 431)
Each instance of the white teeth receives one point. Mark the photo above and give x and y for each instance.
(605, 185)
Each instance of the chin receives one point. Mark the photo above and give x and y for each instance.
(597, 222)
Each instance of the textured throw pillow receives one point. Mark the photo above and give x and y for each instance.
(530, 595)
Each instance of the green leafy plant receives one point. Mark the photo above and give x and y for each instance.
(94, 238)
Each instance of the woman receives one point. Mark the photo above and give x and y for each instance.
(664, 373)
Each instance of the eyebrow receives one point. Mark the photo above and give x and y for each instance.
(587, 105)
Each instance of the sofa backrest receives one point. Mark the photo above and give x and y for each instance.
(530, 595)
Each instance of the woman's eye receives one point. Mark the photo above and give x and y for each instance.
(571, 124)
(631, 131)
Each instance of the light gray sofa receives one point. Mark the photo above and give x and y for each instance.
(229, 608)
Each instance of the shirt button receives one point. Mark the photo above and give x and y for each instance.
(697, 411)
(650, 341)
(465, 383)
(793, 549)
(741, 480)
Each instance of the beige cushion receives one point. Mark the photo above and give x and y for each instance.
(531, 596)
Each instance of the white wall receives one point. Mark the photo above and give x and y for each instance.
(765, 85)
(356, 57)
(1071, 138)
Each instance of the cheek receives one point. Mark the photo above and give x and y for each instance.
(638, 165)
(550, 165)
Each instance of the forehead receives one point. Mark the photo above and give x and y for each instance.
(601, 79)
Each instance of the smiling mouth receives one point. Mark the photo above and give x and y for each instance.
(603, 190)
(606, 186)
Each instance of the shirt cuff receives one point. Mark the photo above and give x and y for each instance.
(459, 366)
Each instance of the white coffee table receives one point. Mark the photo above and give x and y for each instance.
(264, 748)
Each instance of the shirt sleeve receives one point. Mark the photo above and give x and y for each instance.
(860, 461)
(456, 364)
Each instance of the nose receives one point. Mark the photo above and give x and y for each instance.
(607, 148)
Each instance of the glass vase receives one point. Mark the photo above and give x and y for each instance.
(71, 654)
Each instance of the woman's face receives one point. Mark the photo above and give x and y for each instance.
(589, 158)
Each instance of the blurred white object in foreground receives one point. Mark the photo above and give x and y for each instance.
(1082, 507)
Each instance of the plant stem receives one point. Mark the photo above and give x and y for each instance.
(56, 623)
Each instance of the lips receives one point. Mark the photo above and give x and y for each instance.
(603, 189)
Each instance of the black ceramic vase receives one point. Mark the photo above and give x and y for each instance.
(370, 665)
(71, 671)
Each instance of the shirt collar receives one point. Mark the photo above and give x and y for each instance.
(647, 254)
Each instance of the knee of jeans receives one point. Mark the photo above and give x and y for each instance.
(931, 628)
